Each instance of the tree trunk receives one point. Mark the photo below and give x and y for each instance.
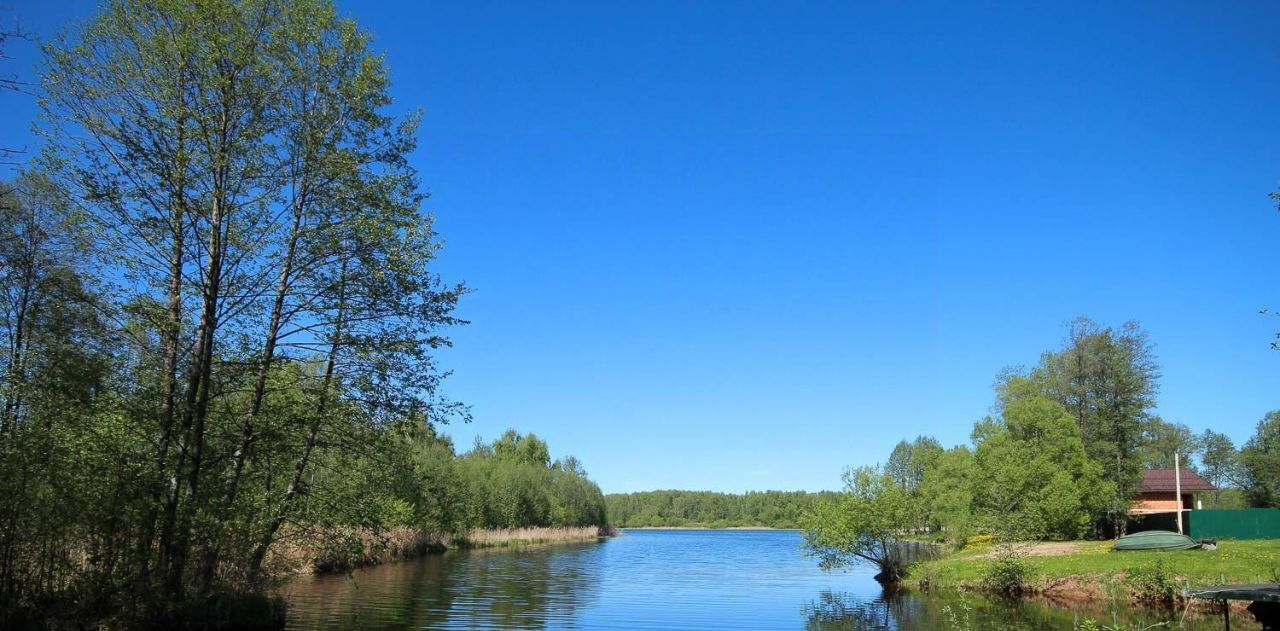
(196, 402)
(18, 341)
(169, 385)
(295, 482)
(209, 565)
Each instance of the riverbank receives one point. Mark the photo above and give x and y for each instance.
(704, 528)
(345, 549)
(666, 579)
(505, 538)
(1084, 571)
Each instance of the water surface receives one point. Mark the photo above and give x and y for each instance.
(656, 579)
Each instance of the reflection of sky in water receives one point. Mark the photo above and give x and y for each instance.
(648, 580)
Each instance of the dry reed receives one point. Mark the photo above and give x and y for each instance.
(502, 537)
(303, 551)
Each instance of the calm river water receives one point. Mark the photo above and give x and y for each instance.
(655, 579)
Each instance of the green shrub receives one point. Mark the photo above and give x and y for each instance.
(341, 551)
(1010, 573)
(1153, 583)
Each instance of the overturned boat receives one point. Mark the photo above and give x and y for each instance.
(1162, 540)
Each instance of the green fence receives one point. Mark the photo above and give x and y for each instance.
(1244, 523)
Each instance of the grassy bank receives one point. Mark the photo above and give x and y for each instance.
(1091, 570)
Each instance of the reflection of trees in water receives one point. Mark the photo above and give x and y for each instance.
(395, 596)
(526, 588)
(893, 609)
(839, 610)
(906, 610)
(511, 588)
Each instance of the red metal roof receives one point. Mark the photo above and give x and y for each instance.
(1162, 480)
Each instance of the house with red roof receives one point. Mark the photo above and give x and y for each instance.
(1158, 491)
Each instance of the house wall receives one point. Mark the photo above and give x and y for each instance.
(1162, 501)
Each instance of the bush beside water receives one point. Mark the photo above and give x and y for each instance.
(1010, 573)
(1153, 583)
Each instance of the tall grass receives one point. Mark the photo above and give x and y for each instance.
(503, 537)
(303, 551)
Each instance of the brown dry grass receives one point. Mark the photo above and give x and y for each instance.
(304, 551)
(496, 538)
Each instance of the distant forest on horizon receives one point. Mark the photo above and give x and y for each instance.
(711, 509)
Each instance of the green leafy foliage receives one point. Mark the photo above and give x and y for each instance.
(862, 524)
(909, 461)
(946, 493)
(1031, 473)
(219, 321)
(772, 509)
(1219, 464)
(1260, 463)
(1162, 439)
(1154, 582)
(1061, 456)
(1106, 379)
(1009, 573)
(513, 483)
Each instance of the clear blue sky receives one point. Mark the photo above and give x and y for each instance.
(740, 246)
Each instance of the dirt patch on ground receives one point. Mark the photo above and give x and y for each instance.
(1071, 589)
(1043, 549)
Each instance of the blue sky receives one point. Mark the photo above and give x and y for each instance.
(740, 246)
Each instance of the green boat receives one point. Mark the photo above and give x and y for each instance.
(1162, 540)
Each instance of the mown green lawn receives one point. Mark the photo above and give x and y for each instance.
(1232, 562)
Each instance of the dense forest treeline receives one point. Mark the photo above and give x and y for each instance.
(219, 321)
(772, 509)
(512, 483)
(1059, 458)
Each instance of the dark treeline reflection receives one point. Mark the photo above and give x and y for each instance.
(531, 587)
(903, 610)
